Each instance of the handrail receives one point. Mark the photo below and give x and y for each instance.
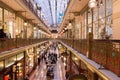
(104, 52)
(8, 44)
(34, 11)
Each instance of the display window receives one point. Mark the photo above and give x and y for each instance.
(29, 61)
(1, 65)
(1, 18)
(20, 56)
(9, 20)
(10, 61)
(102, 18)
(20, 71)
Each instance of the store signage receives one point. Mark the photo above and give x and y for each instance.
(9, 18)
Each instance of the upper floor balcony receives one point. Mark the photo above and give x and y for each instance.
(103, 52)
(9, 44)
(35, 9)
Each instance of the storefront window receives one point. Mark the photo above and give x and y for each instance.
(29, 31)
(95, 14)
(85, 19)
(109, 7)
(1, 65)
(101, 19)
(89, 17)
(16, 27)
(102, 10)
(9, 19)
(20, 56)
(90, 28)
(1, 18)
(95, 29)
(30, 60)
(20, 71)
(102, 28)
(6, 14)
(10, 61)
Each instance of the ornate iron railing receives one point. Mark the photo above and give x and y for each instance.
(104, 52)
(34, 11)
(30, 6)
(7, 44)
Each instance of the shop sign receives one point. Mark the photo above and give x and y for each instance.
(9, 18)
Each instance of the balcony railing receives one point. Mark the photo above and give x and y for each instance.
(104, 52)
(34, 11)
(30, 6)
(8, 44)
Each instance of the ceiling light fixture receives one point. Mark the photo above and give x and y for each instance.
(70, 23)
(65, 28)
(25, 21)
(101, 2)
(92, 3)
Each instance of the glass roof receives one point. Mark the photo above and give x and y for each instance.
(52, 11)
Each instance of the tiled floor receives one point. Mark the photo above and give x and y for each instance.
(40, 72)
(59, 71)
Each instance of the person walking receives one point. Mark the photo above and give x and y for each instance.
(38, 60)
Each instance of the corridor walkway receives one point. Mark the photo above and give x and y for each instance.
(39, 73)
(41, 70)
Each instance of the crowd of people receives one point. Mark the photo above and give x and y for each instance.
(50, 59)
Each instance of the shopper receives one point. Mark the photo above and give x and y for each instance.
(38, 60)
(2, 34)
(67, 76)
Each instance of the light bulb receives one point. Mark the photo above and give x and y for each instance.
(25, 23)
(101, 3)
(92, 3)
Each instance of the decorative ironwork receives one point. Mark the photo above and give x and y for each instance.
(104, 52)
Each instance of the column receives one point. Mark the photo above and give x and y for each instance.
(35, 57)
(24, 67)
(3, 17)
(70, 63)
(90, 38)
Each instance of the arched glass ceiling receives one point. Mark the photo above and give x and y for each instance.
(52, 11)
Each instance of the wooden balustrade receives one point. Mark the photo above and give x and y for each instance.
(7, 44)
(104, 52)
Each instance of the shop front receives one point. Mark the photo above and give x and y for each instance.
(29, 61)
(12, 67)
(13, 24)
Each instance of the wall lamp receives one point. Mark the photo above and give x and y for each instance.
(92, 3)
(70, 23)
(25, 23)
